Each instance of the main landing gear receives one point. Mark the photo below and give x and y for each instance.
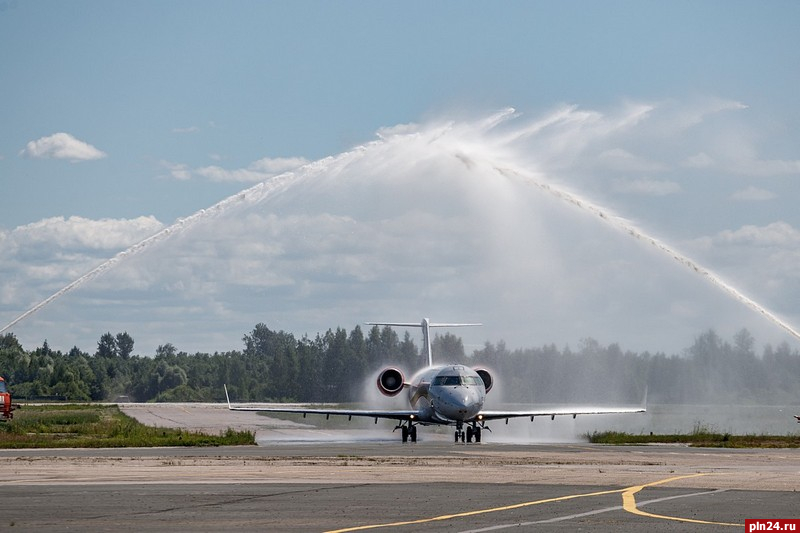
(473, 432)
(409, 431)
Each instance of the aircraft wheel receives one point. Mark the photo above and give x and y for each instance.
(404, 430)
(413, 433)
(469, 433)
(457, 435)
(477, 434)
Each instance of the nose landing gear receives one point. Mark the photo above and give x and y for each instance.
(473, 432)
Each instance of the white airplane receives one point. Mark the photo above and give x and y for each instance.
(451, 395)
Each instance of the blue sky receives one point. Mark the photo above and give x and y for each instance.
(129, 116)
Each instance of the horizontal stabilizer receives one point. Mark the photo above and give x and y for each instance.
(426, 324)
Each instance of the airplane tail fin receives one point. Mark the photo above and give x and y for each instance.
(426, 324)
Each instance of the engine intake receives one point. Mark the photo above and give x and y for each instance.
(486, 377)
(391, 381)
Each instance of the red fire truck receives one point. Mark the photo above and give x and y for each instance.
(6, 407)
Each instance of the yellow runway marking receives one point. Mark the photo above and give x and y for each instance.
(473, 513)
(628, 504)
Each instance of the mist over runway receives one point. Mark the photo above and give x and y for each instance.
(294, 429)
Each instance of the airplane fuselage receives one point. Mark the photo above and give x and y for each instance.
(447, 394)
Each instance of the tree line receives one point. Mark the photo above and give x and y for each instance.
(336, 367)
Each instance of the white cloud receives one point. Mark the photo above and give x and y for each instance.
(79, 233)
(753, 194)
(701, 160)
(45, 255)
(190, 129)
(647, 187)
(623, 161)
(61, 146)
(255, 172)
(775, 234)
(766, 167)
(178, 171)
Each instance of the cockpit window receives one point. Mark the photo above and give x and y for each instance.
(455, 380)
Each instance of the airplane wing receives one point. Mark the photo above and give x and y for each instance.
(406, 414)
(558, 411)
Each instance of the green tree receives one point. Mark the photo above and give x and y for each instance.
(106, 346)
(447, 348)
(124, 344)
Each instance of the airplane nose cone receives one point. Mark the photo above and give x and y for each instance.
(459, 403)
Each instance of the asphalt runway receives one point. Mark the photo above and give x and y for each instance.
(362, 485)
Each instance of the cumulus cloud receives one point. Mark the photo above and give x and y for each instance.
(766, 167)
(83, 233)
(62, 146)
(701, 160)
(43, 255)
(775, 234)
(753, 194)
(257, 171)
(178, 171)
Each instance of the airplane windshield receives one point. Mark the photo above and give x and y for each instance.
(455, 380)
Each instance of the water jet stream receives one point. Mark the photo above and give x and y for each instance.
(636, 233)
(253, 194)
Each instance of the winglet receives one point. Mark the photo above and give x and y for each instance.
(644, 400)
(226, 396)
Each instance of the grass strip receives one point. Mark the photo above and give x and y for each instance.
(100, 426)
(698, 438)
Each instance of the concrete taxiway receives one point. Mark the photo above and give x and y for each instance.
(362, 485)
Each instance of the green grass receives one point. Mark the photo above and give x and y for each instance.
(700, 437)
(99, 426)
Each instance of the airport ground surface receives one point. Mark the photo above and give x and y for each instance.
(359, 480)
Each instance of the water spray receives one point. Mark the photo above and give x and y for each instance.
(636, 233)
(455, 138)
(252, 195)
